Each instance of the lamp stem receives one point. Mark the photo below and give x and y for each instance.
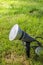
(28, 49)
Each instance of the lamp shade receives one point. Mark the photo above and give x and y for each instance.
(15, 32)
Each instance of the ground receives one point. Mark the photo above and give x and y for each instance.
(28, 14)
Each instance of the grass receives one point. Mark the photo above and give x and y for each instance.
(29, 15)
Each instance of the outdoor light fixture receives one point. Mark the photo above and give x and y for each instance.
(17, 34)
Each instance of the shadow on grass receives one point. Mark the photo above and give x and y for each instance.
(36, 58)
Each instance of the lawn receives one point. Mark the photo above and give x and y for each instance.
(28, 14)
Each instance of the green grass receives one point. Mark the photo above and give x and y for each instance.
(29, 15)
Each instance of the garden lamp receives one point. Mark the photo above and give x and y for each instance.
(17, 34)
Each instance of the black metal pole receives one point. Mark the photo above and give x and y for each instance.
(28, 49)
